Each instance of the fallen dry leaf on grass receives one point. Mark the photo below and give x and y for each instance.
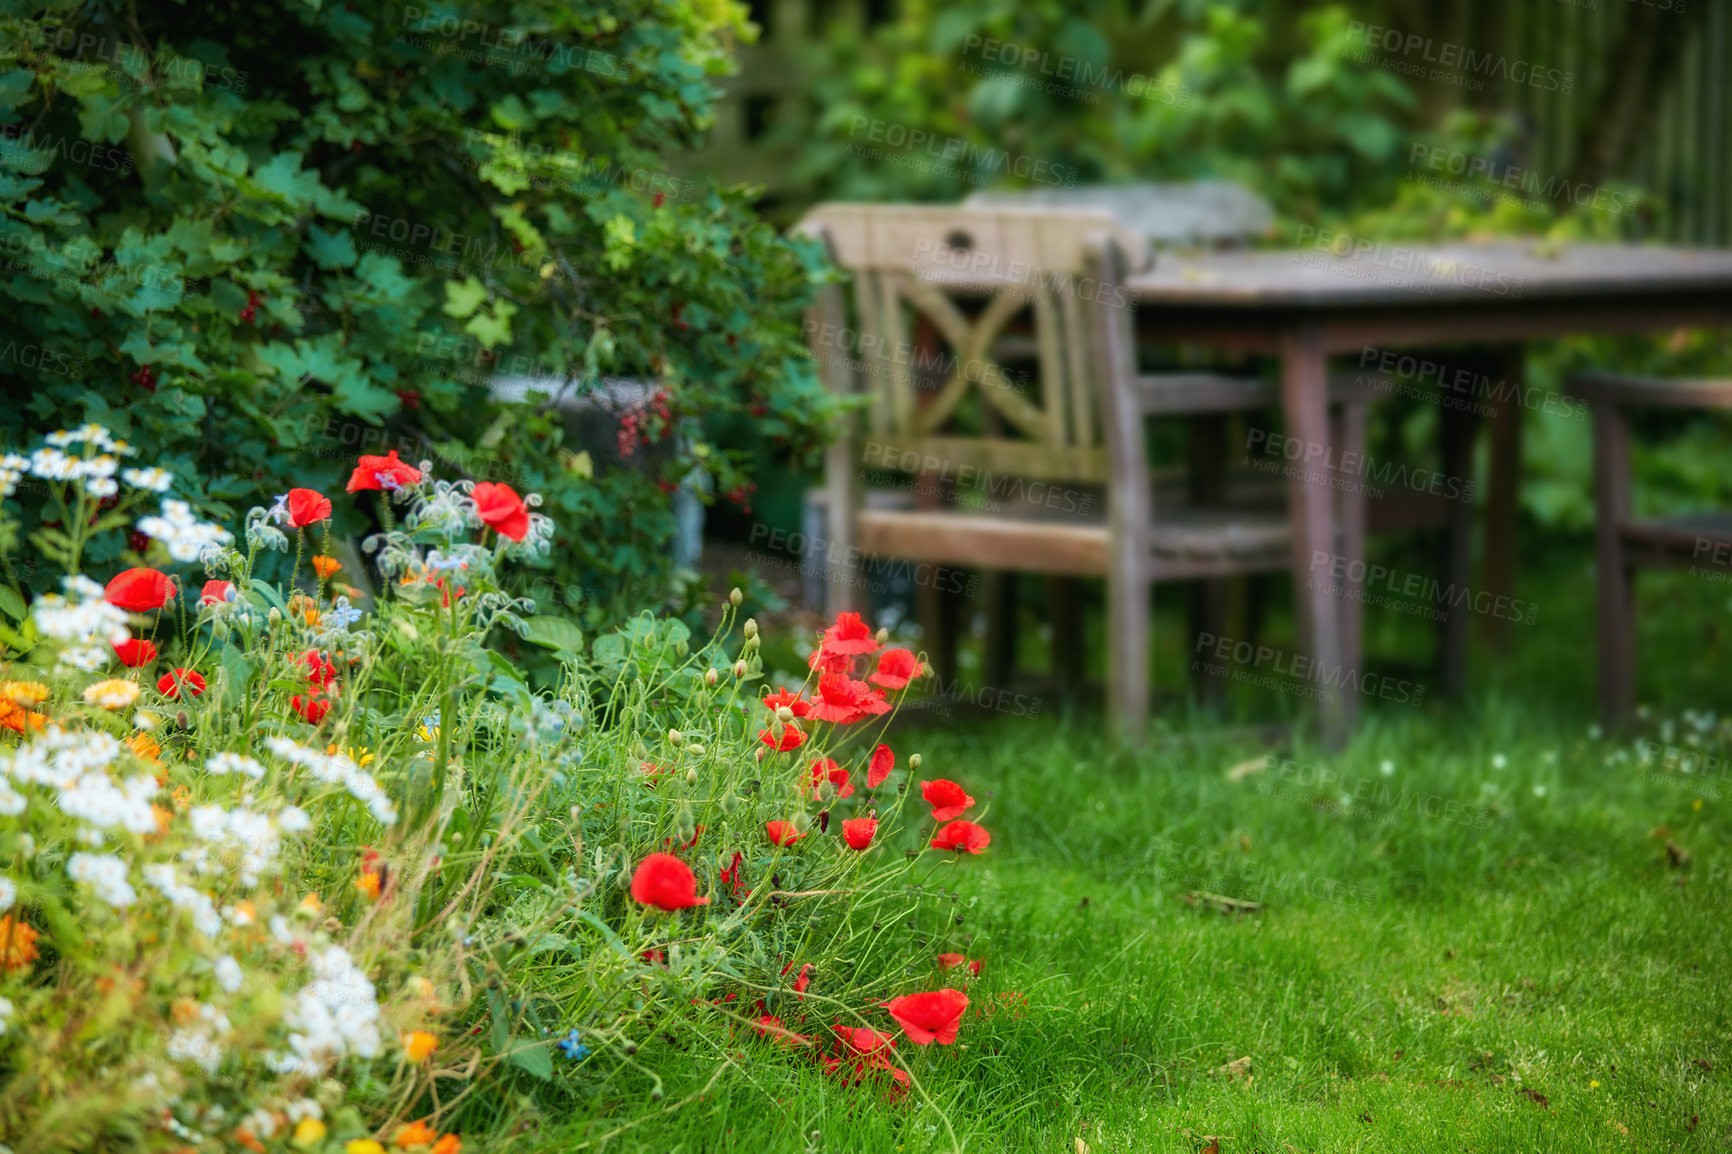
(1237, 1068)
(1221, 902)
(1246, 768)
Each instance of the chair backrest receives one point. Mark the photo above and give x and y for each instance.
(939, 299)
(1180, 214)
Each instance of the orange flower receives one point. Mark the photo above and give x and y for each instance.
(416, 1133)
(141, 744)
(419, 1044)
(17, 944)
(325, 566)
(18, 720)
(450, 1144)
(368, 884)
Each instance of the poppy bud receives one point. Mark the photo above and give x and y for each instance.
(180, 720)
(761, 753)
(275, 616)
(710, 677)
(656, 1094)
(575, 811)
(883, 635)
(691, 777)
(914, 762)
(681, 648)
(695, 749)
(735, 596)
(630, 1047)
(675, 736)
(784, 714)
(750, 629)
(739, 666)
(219, 630)
(801, 822)
(751, 645)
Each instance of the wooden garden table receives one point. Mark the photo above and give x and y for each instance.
(1305, 304)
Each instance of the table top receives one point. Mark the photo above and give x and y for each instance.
(1419, 275)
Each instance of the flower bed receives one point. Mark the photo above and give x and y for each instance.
(306, 868)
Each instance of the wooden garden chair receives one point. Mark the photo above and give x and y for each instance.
(962, 276)
(1626, 542)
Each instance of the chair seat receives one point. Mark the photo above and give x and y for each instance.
(1682, 540)
(1184, 542)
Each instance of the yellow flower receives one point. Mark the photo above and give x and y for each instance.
(309, 1132)
(361, 757)
(113, 693)
(325, 566)
(24, 693)
(311, 906)
(419, 1044)
(141, 744)
(363, 1146)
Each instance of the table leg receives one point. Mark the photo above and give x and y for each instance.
(1503, 496)
(1311, 504)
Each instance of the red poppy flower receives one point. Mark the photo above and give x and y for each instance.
(946, 798)
(308, 507)
(387, 472)
(139, 590)
(653, 957)
(858, 832)
(320, 672)
(849, 636)
(962, 835)
(216, 593)
(796, 704)
(883, 761)
(801, 980)
(863, 1039)
(782, 833)
(652, 773)
(499, 507)
(824, 768)
(769, 1026)
(824, 660)
(929, 1018)
(951, 961)
(172, 682)
(792, 739)
(135, 651)
(665, 882)
(896, 668)
(312, 706)
(843, 700)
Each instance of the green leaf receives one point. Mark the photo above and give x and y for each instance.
(532, 1057)
(238, 672)
(329, 249)
(463, 297)
(11, 603)
(555, 633)
(493, 328)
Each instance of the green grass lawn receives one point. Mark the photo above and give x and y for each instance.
(1477, 928)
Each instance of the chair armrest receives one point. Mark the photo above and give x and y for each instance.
(1192, 394)
(1650, 392)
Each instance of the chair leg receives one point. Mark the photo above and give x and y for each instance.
(1209, 616)
(1350, 433)
(1617, 644)
(1069, 653)
(1503, 499)
(999, 602)
(937, 611)
(1128, 615)
(1206, 477)
(1456, 434)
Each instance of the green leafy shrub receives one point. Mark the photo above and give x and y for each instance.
(303, 876)
(250, 236)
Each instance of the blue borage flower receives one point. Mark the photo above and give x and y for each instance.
(572, 1048)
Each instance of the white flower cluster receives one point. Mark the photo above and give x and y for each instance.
(103, 803)
(106, 874)
(205, 918)
(221, 763)
(333, 1016)
(253, 838)
(89, 624)
(12, 470)
(186, 536)
(198, 1043)
(8, 894)
(74, 764)
(336, 769)
(152, 479)
(5, 1013)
